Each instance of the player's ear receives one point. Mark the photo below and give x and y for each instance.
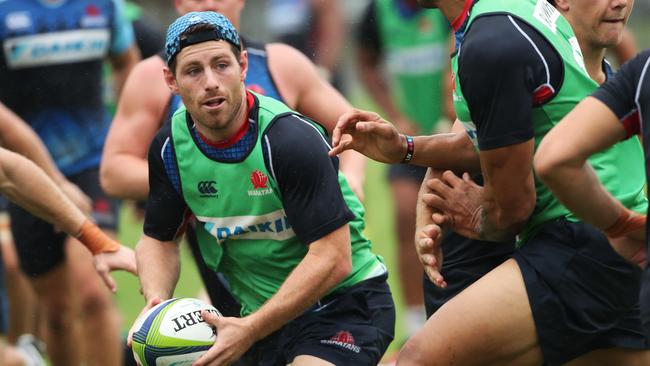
(170, 79)
(243, 64)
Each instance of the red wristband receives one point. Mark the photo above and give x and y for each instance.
(95, 239)
(626, 223)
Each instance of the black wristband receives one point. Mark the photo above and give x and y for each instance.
(410, 147)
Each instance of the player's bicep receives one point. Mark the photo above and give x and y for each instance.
(166, 212)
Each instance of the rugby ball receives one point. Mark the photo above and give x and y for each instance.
(173, 333)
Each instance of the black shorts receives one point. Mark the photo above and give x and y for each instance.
(39, 246)
(350, 327)
(583, 295)
(465, 261)
(412, 173)
(645, 302)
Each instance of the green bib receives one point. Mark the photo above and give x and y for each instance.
(416, 58)
(243, 230)
(616, 167)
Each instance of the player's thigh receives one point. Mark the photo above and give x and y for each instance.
(488, 323)
(613, 356)
(307, 360)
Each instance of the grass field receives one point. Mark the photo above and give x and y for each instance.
(380, 230)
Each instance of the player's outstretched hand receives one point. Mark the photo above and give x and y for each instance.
(234, 337)
(458, 202)
(429, 250)
(150, 304)
(369, 134)
(122, 259)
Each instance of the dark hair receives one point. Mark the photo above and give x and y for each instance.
(552, 2)
(203, 28)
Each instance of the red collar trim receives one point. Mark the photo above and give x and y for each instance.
(460, 19)
(224, 144)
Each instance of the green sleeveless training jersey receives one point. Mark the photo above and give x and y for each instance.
(244, 231)
(416, 57)
(616, 167)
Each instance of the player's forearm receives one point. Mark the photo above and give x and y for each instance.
(447, 151)
(331, 32)
(319, 271)
(576, 185)
(158, 266)
(376, 85)
(27, 185)
(125, 176)
(504, 213)
(122, 66)
(19, 137)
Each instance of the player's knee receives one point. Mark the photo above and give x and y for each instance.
(412, 355)
(59, 316)
(94, 301)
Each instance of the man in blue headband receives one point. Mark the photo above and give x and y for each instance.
(274, 215)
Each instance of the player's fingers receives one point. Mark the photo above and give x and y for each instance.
(428, 259)
(439, 187)
(436, 277)
(440, 219)
(435, 201)
(378, 128)
(432, 231)
(423, 247)
(109, 281)
(468, 179)
(341, 147)
(211, 318)
(356, 115)
(451, 179)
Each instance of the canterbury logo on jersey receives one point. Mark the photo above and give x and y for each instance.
(207, 188)
(271, 226)
(56, 48)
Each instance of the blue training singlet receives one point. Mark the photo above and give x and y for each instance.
(51, 71)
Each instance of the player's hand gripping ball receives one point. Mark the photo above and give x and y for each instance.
(173, 333)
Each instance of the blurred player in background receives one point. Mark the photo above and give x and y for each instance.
(37, 190)
(312, 291)
(53, 57)
(412, 46)
(505, 137)
(618, 110)
(28, 186)
(315, 27)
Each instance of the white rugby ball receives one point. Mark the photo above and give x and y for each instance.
(173, 333)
